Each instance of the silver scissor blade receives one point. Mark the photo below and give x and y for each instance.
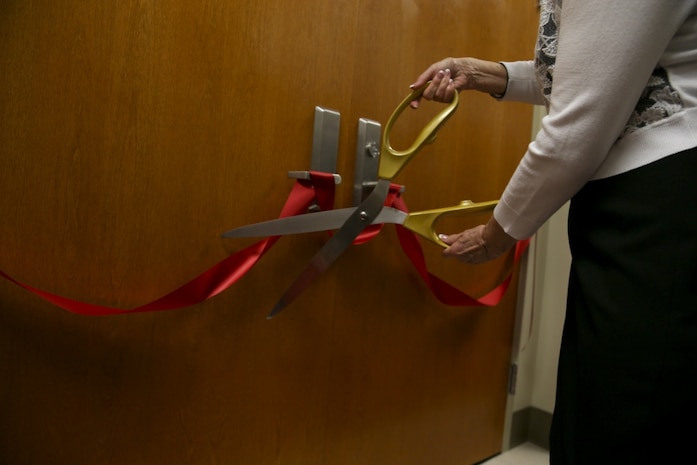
(390, 215)
(357, 222)
(308, 222)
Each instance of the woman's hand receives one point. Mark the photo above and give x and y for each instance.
(479, 244)
(457, 74)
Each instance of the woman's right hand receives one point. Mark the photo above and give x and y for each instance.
(452, 75)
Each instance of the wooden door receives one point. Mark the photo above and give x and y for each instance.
(133, 132)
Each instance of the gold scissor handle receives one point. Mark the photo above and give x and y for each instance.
(423, 223)
(391, 160)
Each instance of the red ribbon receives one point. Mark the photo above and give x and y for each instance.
(222, 275)
(225, 273)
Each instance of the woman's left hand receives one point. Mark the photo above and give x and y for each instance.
(479, 244)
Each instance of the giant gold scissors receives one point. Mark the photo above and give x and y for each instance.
(352, 221)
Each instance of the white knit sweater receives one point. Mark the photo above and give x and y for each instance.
(594, 59)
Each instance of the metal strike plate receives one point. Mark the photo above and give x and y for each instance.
(306, 175)
(325, 147)
(325, 140)
(367, 159)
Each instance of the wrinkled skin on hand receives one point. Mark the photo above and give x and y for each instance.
(479, 244)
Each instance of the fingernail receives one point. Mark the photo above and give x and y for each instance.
(442, 237)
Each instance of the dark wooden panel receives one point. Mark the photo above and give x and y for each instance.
(133, 133)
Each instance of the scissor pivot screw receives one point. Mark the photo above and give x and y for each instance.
(363, 215)
(373, 149)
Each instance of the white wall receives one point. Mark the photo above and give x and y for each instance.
(544, 276)
(541, 307)
(550, 284)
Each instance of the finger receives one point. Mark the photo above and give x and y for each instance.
(456, 248)
(447, 239)
(431, 74)
(443, 85)
(425, 76)
(430, 92)
(415, 103)
(460, 247)
(465, 256)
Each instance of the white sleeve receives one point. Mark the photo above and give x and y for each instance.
(606, 54)
(522, 85)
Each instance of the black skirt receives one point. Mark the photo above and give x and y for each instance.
(627, 380)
